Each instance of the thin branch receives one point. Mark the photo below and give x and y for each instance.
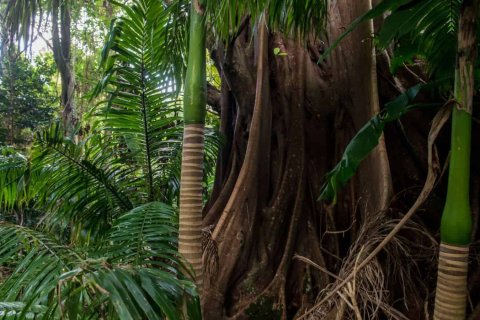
(47, 42)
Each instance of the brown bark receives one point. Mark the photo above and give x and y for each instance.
(271, 179)
(264, 206)
(61, 47)
(355, 81)
(213, 98)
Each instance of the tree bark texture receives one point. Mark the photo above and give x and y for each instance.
(282, 116)
(286, 121)
(61, 43)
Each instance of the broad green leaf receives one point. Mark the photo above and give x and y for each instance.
(366, 140)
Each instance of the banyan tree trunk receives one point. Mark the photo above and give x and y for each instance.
(287, 119)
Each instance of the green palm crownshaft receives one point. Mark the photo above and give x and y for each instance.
(195, 98)
(194, 106)
(456, 224)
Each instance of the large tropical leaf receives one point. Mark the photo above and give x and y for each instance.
(367, 139)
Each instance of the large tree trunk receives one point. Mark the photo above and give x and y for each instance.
(283, 116)
(61, 43)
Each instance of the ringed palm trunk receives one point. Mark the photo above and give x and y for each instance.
(456, 225)
(190, 237)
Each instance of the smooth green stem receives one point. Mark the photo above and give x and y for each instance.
(195, 99)
(456, 226)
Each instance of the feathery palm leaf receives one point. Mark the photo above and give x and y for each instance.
(21, 17)
(54, 281)
(289, 16)
(142, 108)
(81, 181)
(146, 235)
(426, 29)
(15, 188)
(36, 260)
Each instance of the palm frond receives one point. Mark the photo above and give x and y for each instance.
(21, 18)
(381, 8)
(51, 281)
(142, 110)
(15, 189)
(81, 181)
(146, 235)
(35, 259)
(425, 29)
(289, 16)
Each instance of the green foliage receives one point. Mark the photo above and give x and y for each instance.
(56, 281)
(423, 29)
(142, 112)
(289, 16)
(83, 183)
(142, 105)
(16, 192)
(21, 18)
(99, 192)
(26, 94)
(145, 232)
(378, 10)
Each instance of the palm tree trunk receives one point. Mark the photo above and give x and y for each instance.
(190, 237)
(456, 225)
